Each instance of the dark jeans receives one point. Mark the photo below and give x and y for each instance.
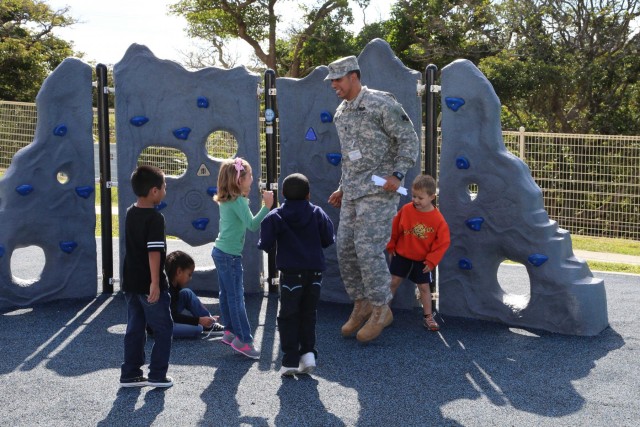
(299, 295)
(158, 316)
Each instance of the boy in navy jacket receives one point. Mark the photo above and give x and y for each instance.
(299, 231)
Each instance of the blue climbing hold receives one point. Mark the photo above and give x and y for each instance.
(84, 191)
(200, 223)
(465, 264)
(311, 135)
(161, 206)
(212, 191)
(462, 163)
(537, 259)
(24, 189)
(334, 158)
(68, 246)
(475, 223)
(138, 120)
(182, 133)
(454, 103)
(326, 117)
(1, 251)
(203, 102)
(60, 130)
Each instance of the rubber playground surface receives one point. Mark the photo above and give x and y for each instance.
(60, 367)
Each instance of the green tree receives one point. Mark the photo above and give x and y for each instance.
(256, 23)
(28, 49)
(569, 65)
(439, 31)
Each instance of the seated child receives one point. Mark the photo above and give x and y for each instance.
(190, 317)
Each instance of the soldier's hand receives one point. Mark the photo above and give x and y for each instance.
(335, 199)
(392, 183)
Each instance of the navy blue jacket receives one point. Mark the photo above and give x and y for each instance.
(300, 230)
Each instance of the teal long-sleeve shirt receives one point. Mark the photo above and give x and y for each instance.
(235, 219)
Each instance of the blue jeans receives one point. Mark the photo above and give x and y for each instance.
(188, 301)
(231, 297)
(158, 317)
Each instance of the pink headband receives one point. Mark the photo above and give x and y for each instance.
(239, 167)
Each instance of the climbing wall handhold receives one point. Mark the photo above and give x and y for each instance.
(212, 191)
(462, 163)
(60, 130)
(454, 104)
(161, 206)
(334, 158)
(537, 259)
(311, 135)
(326, 117)
(68, 246)
(182, 133)
(200, 223)
(24, 189)
(203, 102)
(475, 223)
(1, 251)
(84, 191)
(465, 264)
(138, 120)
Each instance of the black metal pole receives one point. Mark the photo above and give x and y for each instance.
(271, 129)
(431, 145)
(105, 179)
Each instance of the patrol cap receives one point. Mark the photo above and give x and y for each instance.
(341, 67)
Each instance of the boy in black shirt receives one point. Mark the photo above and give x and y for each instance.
(301, 230)
(144, 283)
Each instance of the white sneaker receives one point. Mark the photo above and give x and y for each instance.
(288, 372)
(307, 363)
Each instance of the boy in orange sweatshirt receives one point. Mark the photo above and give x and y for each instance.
(419, 240)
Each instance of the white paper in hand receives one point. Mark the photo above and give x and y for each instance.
(379, 181)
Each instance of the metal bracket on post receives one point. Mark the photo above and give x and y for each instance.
(270, 117)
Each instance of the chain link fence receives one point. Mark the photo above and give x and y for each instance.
(590, 183)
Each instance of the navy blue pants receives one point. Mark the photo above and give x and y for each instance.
(299, 296)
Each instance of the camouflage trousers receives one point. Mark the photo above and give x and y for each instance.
(363, 234)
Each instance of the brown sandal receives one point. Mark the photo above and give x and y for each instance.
(430, 323)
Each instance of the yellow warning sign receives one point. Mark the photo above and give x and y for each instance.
(203, 171)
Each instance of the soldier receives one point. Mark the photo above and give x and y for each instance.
(376, 138)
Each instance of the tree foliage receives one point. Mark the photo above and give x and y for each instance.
(28, 49)
(256, 23)
(569, 65)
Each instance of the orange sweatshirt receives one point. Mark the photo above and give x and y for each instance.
(419, 236)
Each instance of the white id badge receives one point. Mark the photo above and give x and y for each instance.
(355, 155)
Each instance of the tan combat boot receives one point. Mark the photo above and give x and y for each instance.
(361, 311)
(381, 317)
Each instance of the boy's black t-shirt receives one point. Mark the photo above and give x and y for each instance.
(145, 232)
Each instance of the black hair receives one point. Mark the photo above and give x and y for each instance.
(357, 73)
(177, 260)
(295, 187)
(146, 177)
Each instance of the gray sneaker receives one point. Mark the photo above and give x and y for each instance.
(247, 349)
(227, 338)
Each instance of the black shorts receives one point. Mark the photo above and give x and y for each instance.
(404, 267)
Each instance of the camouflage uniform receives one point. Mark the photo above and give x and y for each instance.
(377, 138)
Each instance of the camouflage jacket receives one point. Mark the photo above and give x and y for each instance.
(376, 138)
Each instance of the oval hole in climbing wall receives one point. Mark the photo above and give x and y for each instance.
(27, 273)
(62, 177)
(514, 281)
(221, 145)
(172, 162)
(472, 190)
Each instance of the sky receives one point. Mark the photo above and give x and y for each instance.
(107, 28)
